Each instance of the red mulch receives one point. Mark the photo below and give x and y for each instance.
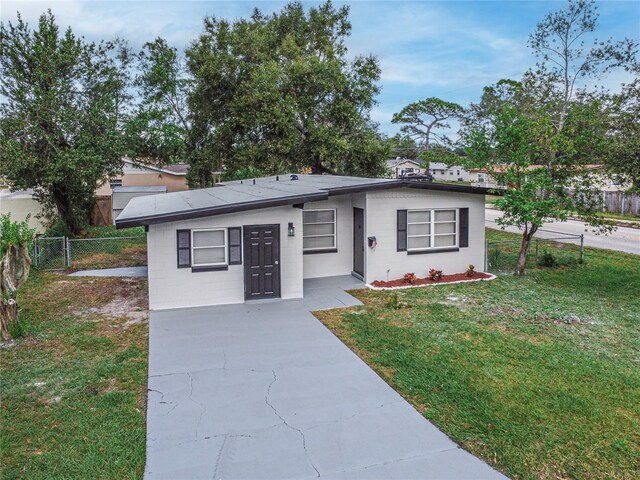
(456, 277)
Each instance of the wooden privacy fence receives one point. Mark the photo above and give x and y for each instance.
(101, 213)
(620, 202)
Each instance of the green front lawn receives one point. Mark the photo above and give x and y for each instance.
(73, 388)
(540, 376)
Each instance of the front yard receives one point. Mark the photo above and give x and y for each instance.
(540, 376)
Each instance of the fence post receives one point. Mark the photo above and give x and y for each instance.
(582, 248)
(68, 249)
(622, 205)
(35, 252)
(486, 255)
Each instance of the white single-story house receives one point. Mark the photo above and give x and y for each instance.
(452, 173)
(261, 238)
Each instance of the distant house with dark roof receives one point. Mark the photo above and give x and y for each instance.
(140, 174)
(261, 238)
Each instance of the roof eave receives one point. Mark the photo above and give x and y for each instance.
(365, 187)
(448, 187)
(219, 210)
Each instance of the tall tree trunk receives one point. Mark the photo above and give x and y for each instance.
(66, 213)
(527, 235)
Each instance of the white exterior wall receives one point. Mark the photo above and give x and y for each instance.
(381, 222)
(173, 287)
(21, 204)
(340, 262)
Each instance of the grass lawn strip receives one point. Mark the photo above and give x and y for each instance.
(74, 388)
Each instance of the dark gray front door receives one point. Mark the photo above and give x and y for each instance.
(261, 261)
(358, 241)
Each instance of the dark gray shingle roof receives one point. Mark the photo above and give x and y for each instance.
(242, 195)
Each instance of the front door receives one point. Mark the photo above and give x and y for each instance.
(358, 241)
(261, 261)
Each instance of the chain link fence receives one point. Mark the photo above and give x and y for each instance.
(50, 253)
(58, 253)
(550, 249)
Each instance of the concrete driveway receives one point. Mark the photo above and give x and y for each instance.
(264, 390)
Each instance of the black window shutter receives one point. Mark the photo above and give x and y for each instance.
(184, 248)
(463, 241)
(235, 245)
(402, 230)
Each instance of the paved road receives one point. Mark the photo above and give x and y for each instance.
(265, 391)
(624, 239)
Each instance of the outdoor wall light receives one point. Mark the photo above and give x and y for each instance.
(291, 230)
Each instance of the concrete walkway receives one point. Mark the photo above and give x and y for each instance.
(112, 272)
(264, 391)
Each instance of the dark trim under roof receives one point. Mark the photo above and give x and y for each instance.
(323, 187)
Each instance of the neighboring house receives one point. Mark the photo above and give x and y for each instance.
(482, 178)
(137, 179)
(121, 196)
(401, 167)
(21, 204)
(454, 173)
(139, 174)
(257, 239)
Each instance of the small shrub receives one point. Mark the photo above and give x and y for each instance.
(58, 229)
(435, 275)
(547, 259)
(395, 302)
(495, 258)
(409, 278)
(471, 271)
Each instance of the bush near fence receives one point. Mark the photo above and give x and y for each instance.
(502, 255)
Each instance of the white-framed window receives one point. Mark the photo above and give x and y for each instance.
(432, 229)
(115, 182)
(319, 230)
(209, 247)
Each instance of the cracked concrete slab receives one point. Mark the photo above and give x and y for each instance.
(264, 390)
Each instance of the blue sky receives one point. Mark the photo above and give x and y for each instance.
(443, 49)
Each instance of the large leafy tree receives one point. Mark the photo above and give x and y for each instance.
(59, 122)
(279, 92)
(426, 122)
(160, 128)
(423, 121)
(537, 136)
(623, 152)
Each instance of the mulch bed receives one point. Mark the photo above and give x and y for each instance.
(456, 277)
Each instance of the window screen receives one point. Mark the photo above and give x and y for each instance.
(431, 229)
(209, 247)
(318, 229)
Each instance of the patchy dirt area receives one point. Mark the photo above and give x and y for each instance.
(117, 301)
(123, 299)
